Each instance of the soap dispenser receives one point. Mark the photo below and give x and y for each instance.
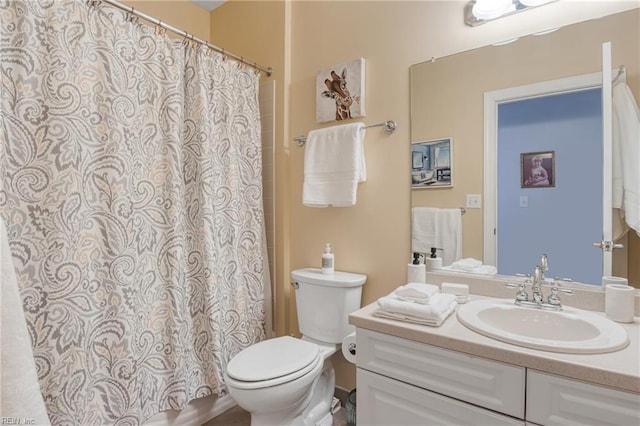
(434, 262)
(327, 260)
(415, 270)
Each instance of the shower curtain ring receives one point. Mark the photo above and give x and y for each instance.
(160, 30)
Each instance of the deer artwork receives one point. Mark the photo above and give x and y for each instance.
(340, 94)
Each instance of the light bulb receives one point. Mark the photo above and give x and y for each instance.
(491, 9)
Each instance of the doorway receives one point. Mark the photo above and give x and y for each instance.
(561, 215)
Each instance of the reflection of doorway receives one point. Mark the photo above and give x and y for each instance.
(560, 220)
(491, 229)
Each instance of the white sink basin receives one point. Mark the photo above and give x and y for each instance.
(569, 331)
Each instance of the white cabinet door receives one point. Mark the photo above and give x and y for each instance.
(490, 384)
(553, 400)
(383, 401)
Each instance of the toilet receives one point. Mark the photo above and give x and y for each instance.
(291, 381)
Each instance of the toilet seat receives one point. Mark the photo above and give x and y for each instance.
(273, 362)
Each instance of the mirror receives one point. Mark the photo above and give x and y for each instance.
(447, 103)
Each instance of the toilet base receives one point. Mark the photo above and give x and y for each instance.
(314, 410)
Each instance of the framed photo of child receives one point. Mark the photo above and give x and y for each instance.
(538, 169)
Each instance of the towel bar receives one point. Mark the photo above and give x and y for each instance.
(389, 127)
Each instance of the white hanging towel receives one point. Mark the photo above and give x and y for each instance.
(626, 156)
(333, 166)
(441, 228)
(20, 394)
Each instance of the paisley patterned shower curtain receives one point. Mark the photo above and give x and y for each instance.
(130, 181)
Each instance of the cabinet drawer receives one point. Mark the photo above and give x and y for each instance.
(384, 401)
(490, 384)
(555, 400)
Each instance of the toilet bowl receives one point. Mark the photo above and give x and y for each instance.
(275, 381)
(290, 381)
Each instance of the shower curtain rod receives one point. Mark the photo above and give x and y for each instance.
(268, 71)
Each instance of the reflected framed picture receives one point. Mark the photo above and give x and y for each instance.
(538, 169)
(431, 164)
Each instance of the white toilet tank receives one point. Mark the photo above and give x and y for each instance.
(324, 302)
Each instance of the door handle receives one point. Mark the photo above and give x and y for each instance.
(607, 245)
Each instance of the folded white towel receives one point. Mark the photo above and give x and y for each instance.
(466, 264)
(434, 313)
(21, 397)
(333, 166)
(416, 292)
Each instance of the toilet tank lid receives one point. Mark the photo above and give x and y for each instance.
(337, 279)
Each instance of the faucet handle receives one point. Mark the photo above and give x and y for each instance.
(557, 284)
(521, 294)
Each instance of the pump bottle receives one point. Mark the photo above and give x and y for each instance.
(433, 261)
(327, 260)
(416, 270)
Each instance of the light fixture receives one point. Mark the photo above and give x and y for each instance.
(491, 9)
(478, 12)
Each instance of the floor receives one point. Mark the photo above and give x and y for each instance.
(238, 417)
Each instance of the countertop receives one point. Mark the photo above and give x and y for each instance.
(618, 370)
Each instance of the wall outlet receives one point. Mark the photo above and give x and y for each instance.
(474, 201)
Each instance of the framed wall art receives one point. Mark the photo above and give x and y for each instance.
(340, 92)
(537, 169)
(431, 164)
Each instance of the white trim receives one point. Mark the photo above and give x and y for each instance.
(491, 101)
(607, 157)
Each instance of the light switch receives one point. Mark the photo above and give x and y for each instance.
(524, 201)
(474, 201)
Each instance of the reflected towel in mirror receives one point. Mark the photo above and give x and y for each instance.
(441, 228)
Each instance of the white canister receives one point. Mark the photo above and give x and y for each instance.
(619, 299)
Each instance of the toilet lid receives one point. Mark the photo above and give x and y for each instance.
(272, 358)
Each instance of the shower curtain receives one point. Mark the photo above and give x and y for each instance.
(130, 182)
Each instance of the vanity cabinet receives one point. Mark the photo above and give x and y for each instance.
(404, 382)
(553, 400)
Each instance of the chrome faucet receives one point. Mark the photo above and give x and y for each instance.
(536, 286)
(537, 281)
